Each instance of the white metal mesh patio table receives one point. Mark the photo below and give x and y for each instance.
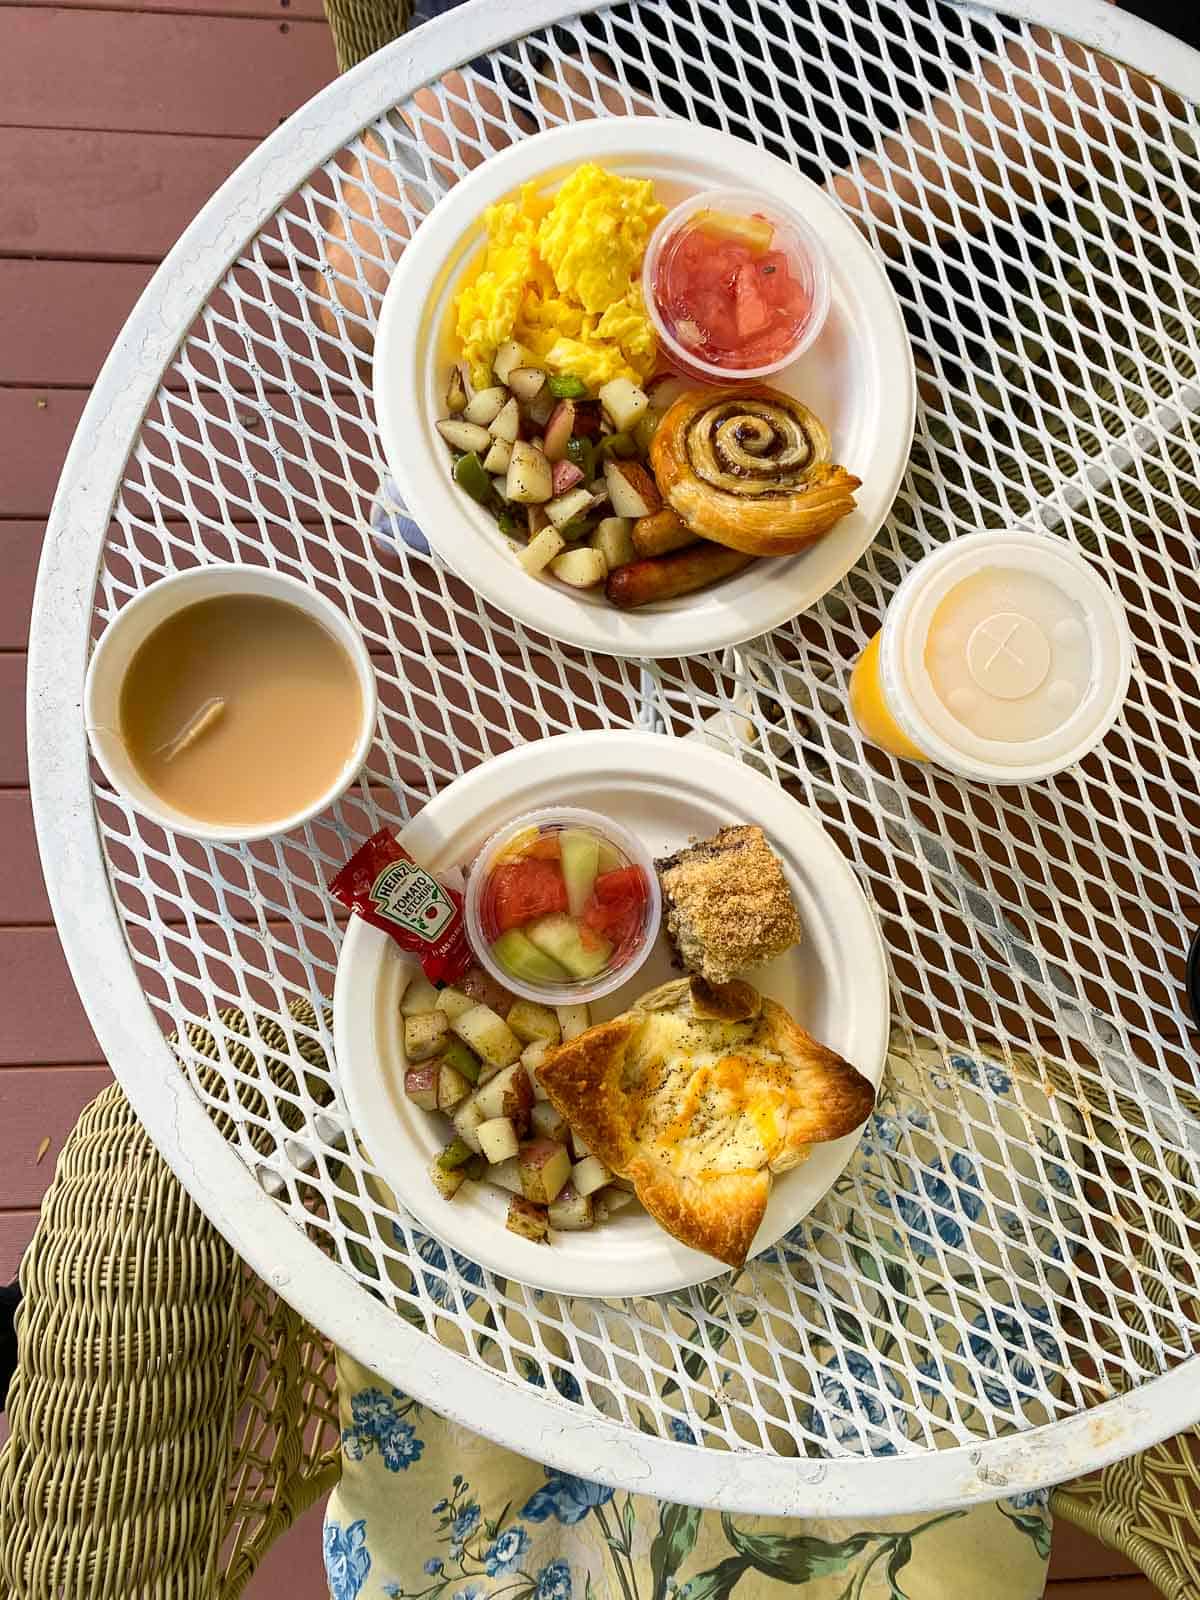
(1046, 259)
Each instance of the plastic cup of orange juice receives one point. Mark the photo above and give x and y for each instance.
(1002, 657)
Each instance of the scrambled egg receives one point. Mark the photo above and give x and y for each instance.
(562, 276)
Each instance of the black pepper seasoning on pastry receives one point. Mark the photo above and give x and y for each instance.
(727, 903)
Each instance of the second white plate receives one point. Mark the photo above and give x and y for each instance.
(667, 791)
(858, 377)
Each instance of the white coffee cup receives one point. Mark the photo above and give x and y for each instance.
(133, 625)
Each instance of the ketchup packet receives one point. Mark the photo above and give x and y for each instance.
(384, 885)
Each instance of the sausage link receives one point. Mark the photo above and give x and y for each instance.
(665, 577)
(660, 533)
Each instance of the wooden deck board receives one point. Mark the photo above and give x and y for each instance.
(151, 105)
(135, 72)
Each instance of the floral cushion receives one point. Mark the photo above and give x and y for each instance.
(427, 1510)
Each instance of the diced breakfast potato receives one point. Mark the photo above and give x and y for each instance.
(510, 355)
(418, 997)
(448, 1169)
(573, 1020)
(497, 1139)
(578, 1146)
(609, 1200)
(467, 1122)
(568, 506)
(499, 459)
(456, 391)
(559, 428)
(547, 1123)
(580, 568)
(420, 1085)
(423, 1034)
(454, 1002)
(613, 537)
(589, 1175)
(541, 551)
(452, 1087)
(624, 402)
(530, 479)
(528, 1220)
(545, 1168)
(509, 1094)
(527, 383)
(531, 1022)
(466, 436)
(507, 1176)
(631, 489)
(485, 405)
(488, 1035)
(571, 1212)
(507, 425)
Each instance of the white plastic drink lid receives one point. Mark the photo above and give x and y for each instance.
(1005, 657)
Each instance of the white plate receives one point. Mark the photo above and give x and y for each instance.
(666, 791)
(858, 377)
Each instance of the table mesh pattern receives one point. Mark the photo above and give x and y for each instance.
(1046, 260)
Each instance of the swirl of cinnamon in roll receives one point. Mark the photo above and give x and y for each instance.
(750, 468)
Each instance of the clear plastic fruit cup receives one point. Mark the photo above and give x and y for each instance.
(619, 848)
(1003, 657)
(672, 290)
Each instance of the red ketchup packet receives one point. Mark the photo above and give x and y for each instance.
(384, 885)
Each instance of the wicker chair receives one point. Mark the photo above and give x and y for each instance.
(170, 1417)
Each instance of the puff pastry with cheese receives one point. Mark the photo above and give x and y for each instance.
(698, 1094)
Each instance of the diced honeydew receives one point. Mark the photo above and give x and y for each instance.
(466, 436)
(421, 1085)
(528, 1220)
(418, 997)
(581, 569)
(507, 425)
(530, 480)
(488, 1035)
(624, 402)
(613, 537)
(610, 857)
(580, 854)
(423, 1034)
(510, 355)
(509, 1094)
(571, 1212)
(548, 1123)
(485, 405)
(572, 504)
(497, 1139)
(541, 550)
(531, 1022)
(545, 1167)
(452, 1087)
(527, 383)
(467, 1121)
(499, 459)
(513, 952)
(573, 1020)
(589, 1175)
(454, 1002)
(559, 937)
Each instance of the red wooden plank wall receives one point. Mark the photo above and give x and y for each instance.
(120, 118)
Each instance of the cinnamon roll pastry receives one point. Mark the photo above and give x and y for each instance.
(750, 468)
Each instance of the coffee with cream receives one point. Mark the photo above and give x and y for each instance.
(240, 710)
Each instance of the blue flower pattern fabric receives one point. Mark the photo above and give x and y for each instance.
(502, 1528)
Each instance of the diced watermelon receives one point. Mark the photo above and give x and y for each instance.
(519, 891)
(752, 316)
(621, 884)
